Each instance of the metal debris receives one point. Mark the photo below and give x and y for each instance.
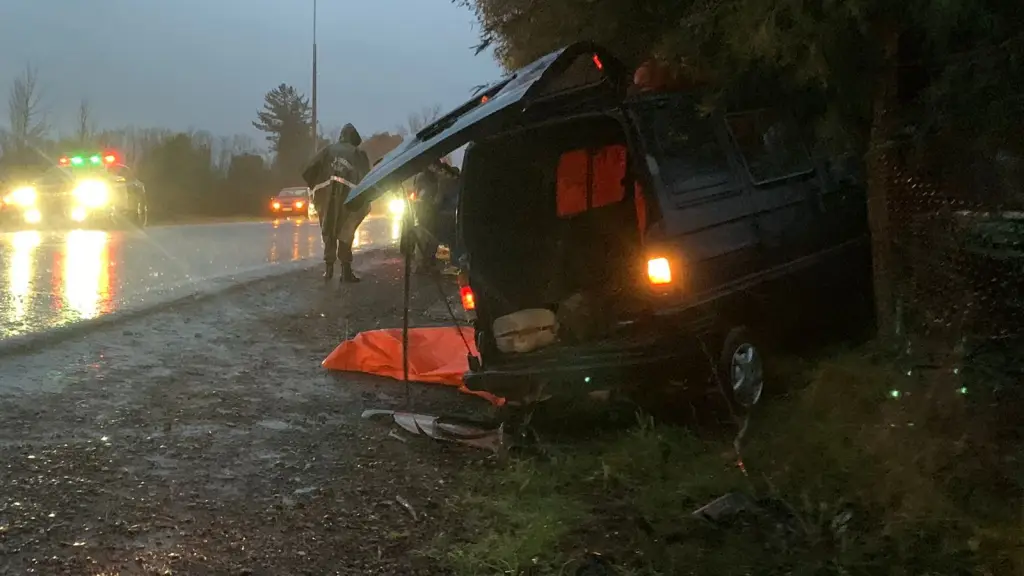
(405, 504)
(438, 429)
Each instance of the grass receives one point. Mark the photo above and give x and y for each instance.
(869, 469)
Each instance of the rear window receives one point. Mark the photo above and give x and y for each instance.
(59, 176)
(590, 179)
(292, 193)
(770, 145)
(684, 143)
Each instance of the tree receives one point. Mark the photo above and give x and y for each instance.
(27, 119)
(286, 118)
(379, 144)
(247, 184)
(85, 128)
(179, 175)
(868, 72)
(520, 31)
(419, 120)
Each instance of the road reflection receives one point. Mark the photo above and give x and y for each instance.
(21, 276)
(51, 278)
(374, 232)
(87, 269)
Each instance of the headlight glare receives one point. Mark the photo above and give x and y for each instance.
(396, 206)
(91, 193)
(24, 196)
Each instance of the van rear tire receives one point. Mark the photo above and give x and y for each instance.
(741, 369)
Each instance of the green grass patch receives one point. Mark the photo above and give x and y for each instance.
(869, 469)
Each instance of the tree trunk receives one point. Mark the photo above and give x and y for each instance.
(879, 165)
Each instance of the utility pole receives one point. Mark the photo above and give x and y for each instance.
(315, 138)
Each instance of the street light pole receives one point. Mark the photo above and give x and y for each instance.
(315, 133)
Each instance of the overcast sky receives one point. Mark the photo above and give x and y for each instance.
(206, 64)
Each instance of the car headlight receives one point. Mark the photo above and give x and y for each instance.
(24, 196)
(396, 206)
(91, 193)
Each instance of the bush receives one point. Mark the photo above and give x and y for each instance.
(875, 467)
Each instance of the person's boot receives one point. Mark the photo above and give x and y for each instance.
(329, 271)
(347, 277)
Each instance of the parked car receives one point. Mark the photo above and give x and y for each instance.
(95, 189)
(293, 201)
(613, 238)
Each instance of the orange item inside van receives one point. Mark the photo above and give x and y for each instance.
(590, 179)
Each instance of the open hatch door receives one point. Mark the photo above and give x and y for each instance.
(576, 68)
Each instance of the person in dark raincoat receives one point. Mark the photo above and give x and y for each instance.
(332, 174)
(435, 188)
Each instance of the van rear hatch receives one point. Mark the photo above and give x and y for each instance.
(576, 69)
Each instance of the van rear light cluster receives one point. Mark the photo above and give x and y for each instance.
(468, 299)
(466, 293)
(659, 271)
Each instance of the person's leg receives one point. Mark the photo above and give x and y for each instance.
(346, 234)
(426, 242)
(330, 252)
(327, 233)
(345, 257)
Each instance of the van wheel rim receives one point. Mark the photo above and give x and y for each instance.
(747, 375)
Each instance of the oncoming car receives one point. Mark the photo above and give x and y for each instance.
(291, 202)
(85, 190)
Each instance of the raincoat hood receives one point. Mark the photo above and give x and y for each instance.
(350, 135)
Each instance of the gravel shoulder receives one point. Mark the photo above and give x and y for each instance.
(206, 439)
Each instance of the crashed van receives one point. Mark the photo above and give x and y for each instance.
(610, 236)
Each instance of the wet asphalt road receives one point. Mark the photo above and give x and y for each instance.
(54, 278)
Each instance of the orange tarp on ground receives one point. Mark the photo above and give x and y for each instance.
(437, 355)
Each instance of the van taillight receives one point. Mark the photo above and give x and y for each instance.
(468, 299)
(659, 271)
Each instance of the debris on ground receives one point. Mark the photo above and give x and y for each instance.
(437, 428)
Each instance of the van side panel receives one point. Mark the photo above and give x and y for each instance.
(707, 219)
(801, 219)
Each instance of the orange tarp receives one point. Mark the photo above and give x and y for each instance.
(437, 355)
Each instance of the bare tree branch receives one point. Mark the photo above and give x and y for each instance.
(85, 128)
(26, 116)
(419, 120)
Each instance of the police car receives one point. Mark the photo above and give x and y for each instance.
(83, 190)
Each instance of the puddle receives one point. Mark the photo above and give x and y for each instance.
(275, 425)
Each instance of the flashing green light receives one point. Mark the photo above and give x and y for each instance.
(895, 393)
(963, 390)
(77, 160)
(95, 159)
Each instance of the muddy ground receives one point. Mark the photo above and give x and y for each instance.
(207, 440)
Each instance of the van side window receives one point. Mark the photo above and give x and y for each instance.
(769, 144)
(687, 150)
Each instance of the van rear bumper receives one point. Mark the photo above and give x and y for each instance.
(614, 363)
